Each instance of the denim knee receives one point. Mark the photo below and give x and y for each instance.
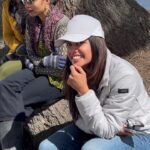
(90, 145)
(97, 144)
(47, 145)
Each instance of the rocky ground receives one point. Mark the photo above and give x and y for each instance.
(44, 122)
(1, 43)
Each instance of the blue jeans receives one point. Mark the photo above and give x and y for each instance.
(72, 138)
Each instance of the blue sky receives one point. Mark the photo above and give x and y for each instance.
(144, 3)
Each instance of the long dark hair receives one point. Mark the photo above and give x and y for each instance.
(12, 9)
(94, 71)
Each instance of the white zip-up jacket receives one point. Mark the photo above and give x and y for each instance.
(120, 99)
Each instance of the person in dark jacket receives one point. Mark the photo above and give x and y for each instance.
(40, 82)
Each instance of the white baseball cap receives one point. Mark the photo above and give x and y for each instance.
(80, 28)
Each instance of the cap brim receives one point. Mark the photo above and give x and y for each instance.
(70, 38)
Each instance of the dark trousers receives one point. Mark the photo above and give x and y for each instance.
(22, 90)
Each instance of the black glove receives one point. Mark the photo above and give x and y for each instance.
(21, 50)
(3, 53)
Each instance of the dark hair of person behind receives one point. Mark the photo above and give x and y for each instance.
(94, 70)
(12, 9)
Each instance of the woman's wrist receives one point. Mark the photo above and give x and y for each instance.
(83, 91)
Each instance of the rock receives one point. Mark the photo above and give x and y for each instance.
(47, 120)
(1, 43)
(68, 7)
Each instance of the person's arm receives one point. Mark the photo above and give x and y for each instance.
(54, 63)
(108, 119)
(58, 57)
(8, 33)
(30, 51)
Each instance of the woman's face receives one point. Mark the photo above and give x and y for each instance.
(35, 7)
(79, 53)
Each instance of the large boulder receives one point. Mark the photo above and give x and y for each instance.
(46, 121)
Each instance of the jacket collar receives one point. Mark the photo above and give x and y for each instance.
(105, 78)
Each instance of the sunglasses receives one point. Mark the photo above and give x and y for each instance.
(27, 1)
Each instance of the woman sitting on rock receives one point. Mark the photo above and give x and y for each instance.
(108, 101)
(40, 83)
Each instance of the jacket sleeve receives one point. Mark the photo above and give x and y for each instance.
(31, 54)
(8, 33)
(105, 120)
(49, 70)
(59, 32)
